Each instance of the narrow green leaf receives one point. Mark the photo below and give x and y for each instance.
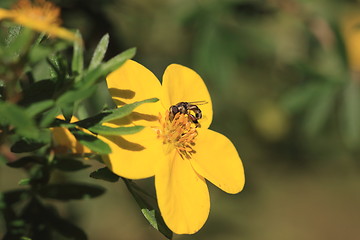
(105, 130)
(113, 114)
(105, 174)
(71, 191)
(30, 144)
(125, 110)
(17, 42)
(49, 117)
(67, 111)
(26, 145)
(77, 64)
(104, 69)
(39, 107)
(25, 161)
(24, 182)
(17, 117)
(118, 60)
(99, 52)
(69, 164)
(91, 141)
(76, 94)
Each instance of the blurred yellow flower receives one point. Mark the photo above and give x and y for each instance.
(172, 148)
(64, 142)
(351, 32)
(41, 16)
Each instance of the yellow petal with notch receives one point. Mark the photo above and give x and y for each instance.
(182, 84)
(219, 162)
(182, 195)
(133, 82)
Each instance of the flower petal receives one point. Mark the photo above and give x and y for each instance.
(217, 160)
(134, 156)
(182, 194)
(181, 84)
(65, 142)
(133, 82)
(4, 13)
(50, 29)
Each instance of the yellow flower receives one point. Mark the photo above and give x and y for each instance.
(40, 16)
(178, 153)
(350, 29)
(64, 142)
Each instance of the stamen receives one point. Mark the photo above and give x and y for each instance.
(39, 10)
(180, 133)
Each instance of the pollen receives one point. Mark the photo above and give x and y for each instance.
(40, 10)
(179, 133)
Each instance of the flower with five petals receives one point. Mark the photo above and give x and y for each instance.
(179, 153)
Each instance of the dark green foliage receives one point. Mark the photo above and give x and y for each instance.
(68, 164)
(38, 81)
(70, 191)
(105, 174)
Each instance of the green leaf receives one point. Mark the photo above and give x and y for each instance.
(39, 107)
(71, 191)
(77, 64)
(104, 69)
(24, 182)
(49, 117)
(105, 174)
(67, 111)
(99, 52)
(25, 161)
(40, 52)
(30, 144)
(105, 130)
(125, 110)
(17, 43)
(113, 114)
(91, 141)
(150, 211)
(17, 117)
(76, 94)
(69, 164)
(26, 145)
(118, 60)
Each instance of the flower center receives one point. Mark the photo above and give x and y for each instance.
(179, 133)
(40, 10)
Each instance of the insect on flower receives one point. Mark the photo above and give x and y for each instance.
(189, 108)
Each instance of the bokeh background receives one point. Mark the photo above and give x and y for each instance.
(285, 83)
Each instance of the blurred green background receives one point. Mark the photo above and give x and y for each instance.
(284, 76)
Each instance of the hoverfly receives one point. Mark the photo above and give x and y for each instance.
(189, 108)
